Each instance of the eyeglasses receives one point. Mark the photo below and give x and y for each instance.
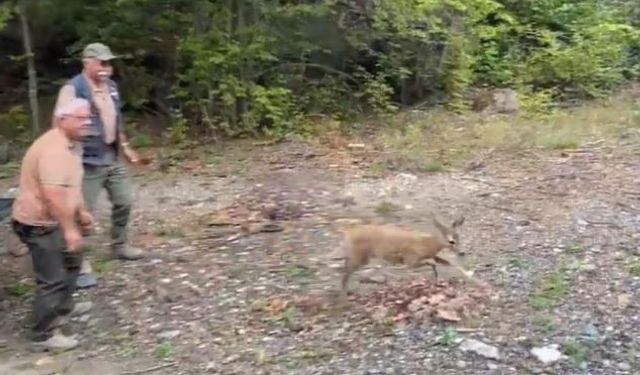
(79, 117)
(105, 63)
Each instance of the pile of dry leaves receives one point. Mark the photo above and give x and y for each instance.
(424, 299)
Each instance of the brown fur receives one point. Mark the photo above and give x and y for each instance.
(397, 246)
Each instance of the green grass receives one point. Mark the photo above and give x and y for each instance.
(386, 208)
(377, 169)
(140, 141)
(634, 267)
(575, 248)
(559, 140)
(20, 290)
(575, 350)
(429, 140)
(103, 266)
(164, 351)
(551, 290)
(545, 322)
(449, 337)
(170, 231)
(299, 272)
(433, 166)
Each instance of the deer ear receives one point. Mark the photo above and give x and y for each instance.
(458, 222)
(438, 224)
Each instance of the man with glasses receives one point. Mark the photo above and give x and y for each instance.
(104, 145)
(49, 216)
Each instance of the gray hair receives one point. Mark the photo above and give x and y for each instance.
(70, 107)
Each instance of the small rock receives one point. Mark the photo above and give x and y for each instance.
(168, 335)
(588, 267)
(210, 366)
(547, 354)
(356, 145)
(624, 366)
(480, 348)
(44, 361)
(624, 300)
(231, 359)
(84, 318)
(583, 366)
(163, 294)
(461, 364)
(408, 176)
(590, 335)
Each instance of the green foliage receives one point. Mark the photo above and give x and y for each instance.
(241, 67)
(178, 131)
(15, 124)
(20, 290)
(140, 140)
(5, 14)
(164, 351)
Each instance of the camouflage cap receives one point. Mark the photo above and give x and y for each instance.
(97, 51)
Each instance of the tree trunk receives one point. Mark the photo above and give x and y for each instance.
(31, 68)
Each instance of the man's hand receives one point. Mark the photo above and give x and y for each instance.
(73, 238)
(130, 154)
(86, 221)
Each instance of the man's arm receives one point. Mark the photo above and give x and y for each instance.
(57, 201)
(129, 153)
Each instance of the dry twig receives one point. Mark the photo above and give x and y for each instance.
(150, 369)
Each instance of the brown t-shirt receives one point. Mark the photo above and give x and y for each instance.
(51, 160)
(104, 103)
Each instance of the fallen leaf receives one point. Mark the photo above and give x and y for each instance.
(219, 219)
(417, 304)
(436, 299)
(458, 303)
(447, 315)
(276, 306)
(400, 317)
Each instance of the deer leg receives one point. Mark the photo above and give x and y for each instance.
(349, 267)
(435, 272)
(432, 263)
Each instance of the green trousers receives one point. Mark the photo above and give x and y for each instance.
(115, 181)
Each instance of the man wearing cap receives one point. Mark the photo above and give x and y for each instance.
(49, 216)
(104, 144)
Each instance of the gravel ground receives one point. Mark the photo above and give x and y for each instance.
(553, 234)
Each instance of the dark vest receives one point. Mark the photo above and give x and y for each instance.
(95, 152)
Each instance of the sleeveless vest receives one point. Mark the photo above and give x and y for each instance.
(95, 152)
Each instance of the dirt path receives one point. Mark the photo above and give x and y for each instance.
(554, 235)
